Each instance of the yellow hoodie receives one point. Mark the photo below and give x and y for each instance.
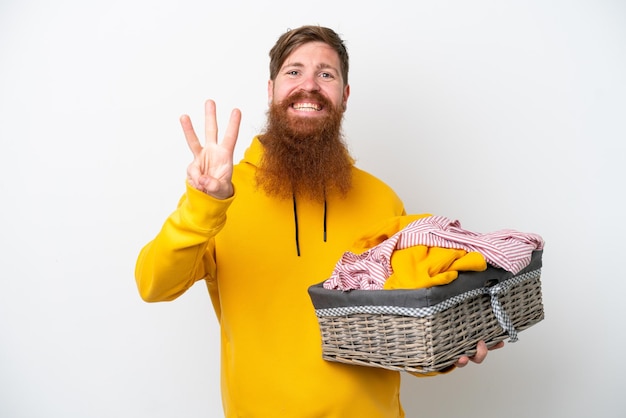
(245, 250)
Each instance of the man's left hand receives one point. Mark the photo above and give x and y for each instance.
(481, 354)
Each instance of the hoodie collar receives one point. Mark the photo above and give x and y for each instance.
(253, 154)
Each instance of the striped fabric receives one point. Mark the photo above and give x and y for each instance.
(507, 249)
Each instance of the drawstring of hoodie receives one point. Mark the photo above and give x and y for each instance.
(324, 218)
(295, 220)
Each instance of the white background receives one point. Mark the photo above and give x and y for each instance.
(502, 114)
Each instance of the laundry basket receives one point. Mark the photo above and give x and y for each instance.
(427, 330)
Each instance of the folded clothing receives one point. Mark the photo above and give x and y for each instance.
(416, 251)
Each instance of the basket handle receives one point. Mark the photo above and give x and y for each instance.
(503, 319)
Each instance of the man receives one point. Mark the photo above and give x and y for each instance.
(261, 232)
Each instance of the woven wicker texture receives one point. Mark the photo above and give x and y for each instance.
(431, 343)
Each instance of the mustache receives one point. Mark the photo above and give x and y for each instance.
(302, 95)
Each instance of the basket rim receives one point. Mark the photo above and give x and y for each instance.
(422, 312)
(467, 282)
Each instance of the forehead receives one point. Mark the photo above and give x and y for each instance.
(317, 54)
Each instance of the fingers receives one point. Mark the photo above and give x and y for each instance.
(481, 352)
(210, 123)
(194, 174)
(190, 135)
(480, 356)
(462, 362)
(495, 347)
(210, 129)
(232, 131)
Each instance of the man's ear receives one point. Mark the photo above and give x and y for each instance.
(270, 92)
(346, 94)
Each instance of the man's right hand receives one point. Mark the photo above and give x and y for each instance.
(212, 168)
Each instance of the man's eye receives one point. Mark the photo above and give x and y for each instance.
(292, 72)
(326, 75)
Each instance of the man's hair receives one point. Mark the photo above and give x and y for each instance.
(294, 38)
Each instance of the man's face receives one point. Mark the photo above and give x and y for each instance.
(304, 150)
(312, 67)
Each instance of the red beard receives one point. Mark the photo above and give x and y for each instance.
(304, 155)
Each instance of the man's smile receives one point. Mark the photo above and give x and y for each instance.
(307, 107)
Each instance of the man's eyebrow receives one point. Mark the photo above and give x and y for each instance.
(322, 66)
(293, 64)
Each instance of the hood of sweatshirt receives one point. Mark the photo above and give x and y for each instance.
(253, 154)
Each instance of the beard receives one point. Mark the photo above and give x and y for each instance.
(304, 156)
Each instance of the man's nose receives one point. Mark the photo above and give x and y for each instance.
(310, 83)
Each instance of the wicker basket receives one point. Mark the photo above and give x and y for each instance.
(426, 330)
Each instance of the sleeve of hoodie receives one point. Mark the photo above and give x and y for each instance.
(183, 251)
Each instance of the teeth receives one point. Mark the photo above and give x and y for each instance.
(307, 106)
